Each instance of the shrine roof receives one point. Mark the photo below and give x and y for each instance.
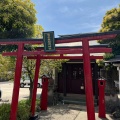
(114, 60)
(89, 34)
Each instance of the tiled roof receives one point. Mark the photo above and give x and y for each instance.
(114, 60)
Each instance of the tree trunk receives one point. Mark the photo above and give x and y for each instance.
(30, 90)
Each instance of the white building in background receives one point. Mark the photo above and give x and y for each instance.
(116, 62)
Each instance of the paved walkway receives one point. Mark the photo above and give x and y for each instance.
(68, 112)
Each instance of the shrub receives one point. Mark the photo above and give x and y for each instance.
(4, 111)
(116, 113)
(38, 105)
(111, 105)
(23, 112)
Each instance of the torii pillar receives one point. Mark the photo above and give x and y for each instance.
(15, 96)
(88, 81)
(34, 92)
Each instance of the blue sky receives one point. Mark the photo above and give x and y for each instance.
(72, 16)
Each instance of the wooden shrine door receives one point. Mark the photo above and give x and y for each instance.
(75, 79)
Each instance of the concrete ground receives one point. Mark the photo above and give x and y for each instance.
(7, 89)
(69, 112)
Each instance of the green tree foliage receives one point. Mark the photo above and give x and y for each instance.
(111, 22)
(7, 66)
(49, 64)
(38, 29)
(17, 18)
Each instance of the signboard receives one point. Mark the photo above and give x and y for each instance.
(49, 41)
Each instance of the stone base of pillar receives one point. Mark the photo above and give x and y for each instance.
(34, 117)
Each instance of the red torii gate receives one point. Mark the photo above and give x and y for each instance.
(85, 50)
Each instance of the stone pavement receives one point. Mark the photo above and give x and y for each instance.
(69, 112)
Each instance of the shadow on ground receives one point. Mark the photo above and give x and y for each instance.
(69, 112)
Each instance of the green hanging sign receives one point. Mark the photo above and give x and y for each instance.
(49, 41)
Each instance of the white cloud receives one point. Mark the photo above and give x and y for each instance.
(93, 27)
(90, 25)
(102, 10)
(70, 12)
